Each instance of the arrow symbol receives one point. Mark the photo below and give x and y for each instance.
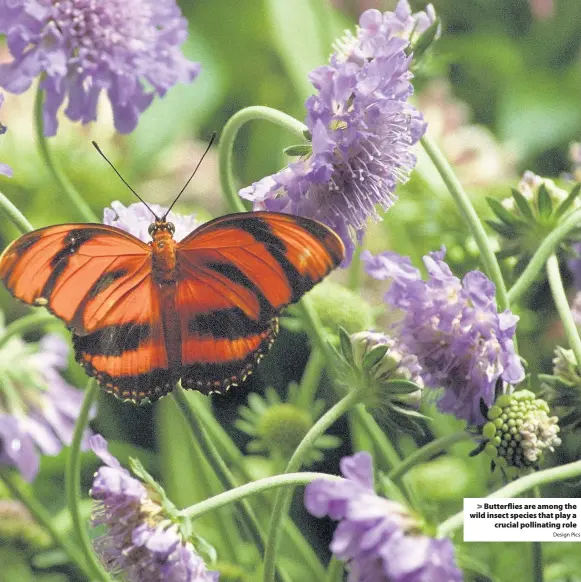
(478, 506)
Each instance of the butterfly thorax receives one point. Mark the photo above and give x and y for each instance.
(163, 247)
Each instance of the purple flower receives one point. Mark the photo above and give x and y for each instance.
(462, 343)
(38, 408)
(141, 542)
(5, 170)
(136, 218)
(128, 48)
(362, 129)
(378, 537)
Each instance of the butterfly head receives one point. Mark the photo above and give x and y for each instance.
(161, 226)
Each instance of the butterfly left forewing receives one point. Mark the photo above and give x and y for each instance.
(236, 273)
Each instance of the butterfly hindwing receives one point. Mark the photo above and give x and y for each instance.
(236, 273)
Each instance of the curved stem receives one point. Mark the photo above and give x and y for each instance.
(545, 250)
(217, 463)
(198, 509)
(311, 379)
(562, 305)
(73, 484)
(59, 177)
(518, 487)
(33, 321)
(283, 497)
(464, 203)
(427, 452)
(226, 145)
(14, 215)
(44, 519)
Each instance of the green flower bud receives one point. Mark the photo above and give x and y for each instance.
(520, 438)
(338, 307)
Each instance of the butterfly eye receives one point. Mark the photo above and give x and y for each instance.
(171, 228)
(151, 229)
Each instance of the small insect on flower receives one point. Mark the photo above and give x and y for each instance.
(203, 309)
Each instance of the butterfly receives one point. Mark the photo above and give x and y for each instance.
(145, 315)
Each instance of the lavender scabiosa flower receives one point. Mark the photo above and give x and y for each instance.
(141, 542)
(5, 170)
(38, 408)
(128, 48)
(136, 218)
(363, 129)
(379, 538)
(462, 343)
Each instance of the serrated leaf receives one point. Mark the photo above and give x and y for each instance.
(505, 215)
(346, 347)
(502, 229)
(523, 205)
(299, 150)
(374, 356)
(401, 386)
(568, 202)
(545, 202)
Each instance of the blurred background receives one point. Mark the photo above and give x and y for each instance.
(501, 93)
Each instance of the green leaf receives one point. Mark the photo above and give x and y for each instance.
(545, 203)
(523, 205)
(568, 202)
(299, 150)
(374, 356)
(139, 471)
(387, 488)
(346, 347)
(426, 39)
(408, 411)
(505, 215)
(401, 386)
(502, 229)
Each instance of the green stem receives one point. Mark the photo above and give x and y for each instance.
(464, 203)
(311, 379)
(427, 452)
(354, 277)
(235, 458)
(537, 551)
(335, 570)
(226, 145)
(73, 484)
(59, 177)
(542, 254)
(198, 509)
(31, 322)
(14, 215)
(560, 298)
(44, 519)
(283, 497)
(518, 487)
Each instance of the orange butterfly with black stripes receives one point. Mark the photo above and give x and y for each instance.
(145, 315)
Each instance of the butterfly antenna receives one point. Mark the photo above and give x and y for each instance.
(193, 174)
(123, 179)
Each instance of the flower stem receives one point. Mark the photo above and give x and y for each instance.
(31, 322)
(283, 497)
(59, 177)
(560, 298)
(518, 487)
(542, 254)
(198, 509)
(73, 484)
(14, 215)
(335, 570)
(44, 519)
(311, 379)
(226, 145)
(426, 453)
(537, 550)
(464, 203)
